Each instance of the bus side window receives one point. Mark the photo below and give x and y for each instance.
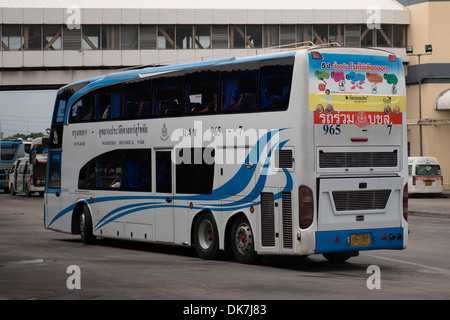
(107, 103)
(168, 96)
(202, 92)
(82, 109)
(275, 87)
(194, 176)
(137, 100)
(239, 90)
(127, 170)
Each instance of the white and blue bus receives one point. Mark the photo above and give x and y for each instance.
(293, 153)
(10, 151)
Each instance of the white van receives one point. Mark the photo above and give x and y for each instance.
(26, 178)
(425, 175)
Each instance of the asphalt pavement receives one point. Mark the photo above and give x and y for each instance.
(430, 205)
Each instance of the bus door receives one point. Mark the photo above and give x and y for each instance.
(53, 204)
(164, 213)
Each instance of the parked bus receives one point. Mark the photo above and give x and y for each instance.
(425, 175)
(10, 151)
(294, 153)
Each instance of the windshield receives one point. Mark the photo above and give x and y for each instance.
(8, 151)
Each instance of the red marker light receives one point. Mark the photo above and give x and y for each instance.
(392, 58)
(360, 139)
(316, 55)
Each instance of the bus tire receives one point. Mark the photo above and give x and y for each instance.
(206, 236)
(242, 241)
(86, 229)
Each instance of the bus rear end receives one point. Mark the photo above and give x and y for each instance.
(358, 100)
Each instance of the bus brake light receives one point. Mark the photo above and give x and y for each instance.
(392, 58)
(306, 206)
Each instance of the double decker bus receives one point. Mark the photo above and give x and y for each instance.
(293, 153)
(10, 151)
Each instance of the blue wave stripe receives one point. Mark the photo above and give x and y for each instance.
(235, 185)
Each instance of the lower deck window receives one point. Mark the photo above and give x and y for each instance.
(127, 170)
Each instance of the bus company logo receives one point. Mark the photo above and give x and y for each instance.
(164, 134)
(361, 119)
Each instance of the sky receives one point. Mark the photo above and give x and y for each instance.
(26, 111)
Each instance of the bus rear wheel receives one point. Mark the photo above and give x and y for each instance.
(242, 241)
(86, 229)
(206, 236)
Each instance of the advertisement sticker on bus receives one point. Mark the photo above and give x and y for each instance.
(355, 89)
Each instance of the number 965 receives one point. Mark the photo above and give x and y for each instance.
(332, 129)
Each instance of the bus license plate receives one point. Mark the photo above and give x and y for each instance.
(428, 183)
(360, 239)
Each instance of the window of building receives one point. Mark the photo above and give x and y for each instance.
(12, 37)
(275, 85)
(32, 36)
(202, 95)
(399, 36)
(137, 100)
(129, 37)
(194, 170)
(110, 37)
(304, 33)
(367, 36)
(352, 35)
(167, 96)
(320, 33)
(166, 37)
(237, 37)
(219, 37)
(384, 36)
(52, 37)
(71, 38)
(90, 35)
(202, 37)
(287, 35)
(272, 35)
(184, 39)
(254, 36)
(147, 37)
(335, 34)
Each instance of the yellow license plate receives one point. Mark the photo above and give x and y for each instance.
(428, 183)
(360, 239)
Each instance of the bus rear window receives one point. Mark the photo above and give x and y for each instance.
(428, 170)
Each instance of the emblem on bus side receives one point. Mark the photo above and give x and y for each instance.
(164, 135)
(361, 119)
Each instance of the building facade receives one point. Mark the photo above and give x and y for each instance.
(48, 43)
(429, 103)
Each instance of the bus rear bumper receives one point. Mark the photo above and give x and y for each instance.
(359, 240)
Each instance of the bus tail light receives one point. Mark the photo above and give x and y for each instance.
(414, 180)
(405, 202)
(306, 206)
(392, 58)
